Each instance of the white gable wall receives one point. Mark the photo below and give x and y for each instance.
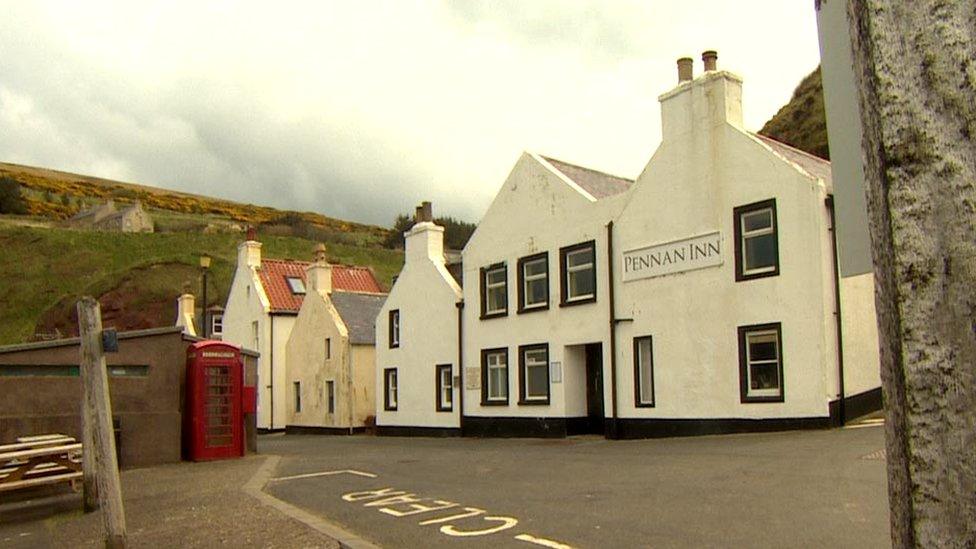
(426, 296)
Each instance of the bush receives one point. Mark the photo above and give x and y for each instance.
(456, 232)
(11, 198)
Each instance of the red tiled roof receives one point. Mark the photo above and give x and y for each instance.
(275, 272)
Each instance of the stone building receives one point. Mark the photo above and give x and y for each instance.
(107, 217)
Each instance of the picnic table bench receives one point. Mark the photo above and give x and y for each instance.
(39, 460)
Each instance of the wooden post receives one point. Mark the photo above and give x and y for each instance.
(98, 408)
(88, 466)
(915, 74)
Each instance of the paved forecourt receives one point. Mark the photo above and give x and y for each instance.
(812, 488)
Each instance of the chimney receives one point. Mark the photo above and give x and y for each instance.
(710, 58)
(685, 69)
(425, 240)
(186, 312)
(249, 251)
(319, 273)
(699, 105)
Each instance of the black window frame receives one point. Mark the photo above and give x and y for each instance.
(438, 383)
(737, 214)
(564, 301)
(638, 400)
(524, 400)
(520, 266)
(297, 385)
(328, 348)
(484, 290)
(394, 343)
(743, 331)
(484, 377)
(386, 389)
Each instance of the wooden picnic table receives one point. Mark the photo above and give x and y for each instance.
(39, 460)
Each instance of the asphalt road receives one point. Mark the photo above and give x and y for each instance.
(798, 489)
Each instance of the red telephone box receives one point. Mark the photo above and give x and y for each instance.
(214, 392)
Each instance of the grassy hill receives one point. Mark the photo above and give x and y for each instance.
(45, 269)
(802, 122)
(137, 276)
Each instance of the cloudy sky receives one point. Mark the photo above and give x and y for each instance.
(360, 109)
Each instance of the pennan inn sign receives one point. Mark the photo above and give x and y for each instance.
(677, 256)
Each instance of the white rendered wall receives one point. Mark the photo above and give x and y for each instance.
(862, 360)
(308, 365)
(705, 167)
(426, 296)
(536, 210)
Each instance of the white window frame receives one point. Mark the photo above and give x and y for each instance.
(570, 271)
(643, 371)
(390, 390)
(527, 279)
(489, 287)
(746, 235)
(394, 328)
(747, 335)
(445, 388)
(217, 324)
(500, 363)
(524, 364)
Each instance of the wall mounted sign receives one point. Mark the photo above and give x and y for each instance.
(556, 372)
(472, 378)
(672, 257)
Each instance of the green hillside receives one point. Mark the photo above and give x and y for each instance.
(802, 122)
(138, 276)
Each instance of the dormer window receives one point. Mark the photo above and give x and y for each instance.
(297, 285)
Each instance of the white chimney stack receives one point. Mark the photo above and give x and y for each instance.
(425, 240)
(319, 273)
(249, 251)
(186, 313)
(700, 104)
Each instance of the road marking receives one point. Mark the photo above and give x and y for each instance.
(326, 474)
(542, 541)
(863, 425)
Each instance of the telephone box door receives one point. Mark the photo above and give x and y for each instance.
(215, 379)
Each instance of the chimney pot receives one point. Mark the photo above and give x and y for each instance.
(319, 254)
(426, 212)
(251, 233)
(416, 214)
(710, 58)
(684, 69)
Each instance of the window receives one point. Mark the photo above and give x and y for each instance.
(330, 395)
(255, 333)
(534, 374)
(533, 286)
(756, 245)
(761, 363)
(217, 324)
(445, 388)
(390, 389)
(298, 396)
(643, 372)
(297, 285)
(494, 291)
(578, 273)
(394, 330)
(328, 348)
(494, 377)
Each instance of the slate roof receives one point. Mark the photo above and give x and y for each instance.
(814, 165)
(359, 312)
(598, 184)
(275, 272)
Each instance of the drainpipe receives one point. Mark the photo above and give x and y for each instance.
(349, 386)
(460, 334)
(271, 374)
(613, 334)
(841, 408)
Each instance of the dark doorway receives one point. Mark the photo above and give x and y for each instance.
(594, 388)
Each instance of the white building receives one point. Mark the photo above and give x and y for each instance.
(699, 298)
(331, 365)
(416, 339)
(264, 299)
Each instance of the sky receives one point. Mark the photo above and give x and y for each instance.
(361, 109)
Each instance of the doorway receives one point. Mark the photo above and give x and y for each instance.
(594, 389)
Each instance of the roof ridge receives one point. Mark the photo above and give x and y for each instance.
(791, 147)
(550, 159)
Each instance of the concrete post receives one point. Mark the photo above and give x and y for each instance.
(915, 69)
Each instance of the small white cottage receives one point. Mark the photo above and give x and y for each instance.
(416, 336)
(262, 305)
(330, 356)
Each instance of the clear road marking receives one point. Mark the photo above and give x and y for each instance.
(542, 541)
(399, 503)
(326, 474)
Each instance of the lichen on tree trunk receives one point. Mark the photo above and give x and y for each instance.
(915, 67)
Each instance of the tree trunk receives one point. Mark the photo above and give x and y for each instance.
(916, 75)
